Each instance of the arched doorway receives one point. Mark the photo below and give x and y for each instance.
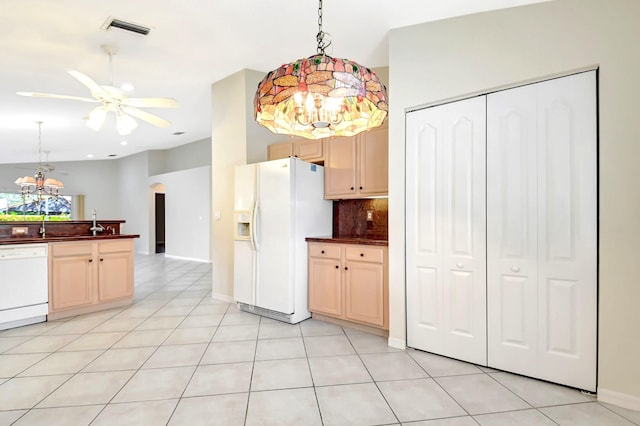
(159, 194)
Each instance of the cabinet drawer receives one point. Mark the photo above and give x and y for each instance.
(115, 246)
(329, 251)
(365, 253)
(72, 249)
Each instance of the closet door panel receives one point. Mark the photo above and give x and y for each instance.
(464, 286)
(567, 248)
(446, 230)
(512, 286)
(424, 230)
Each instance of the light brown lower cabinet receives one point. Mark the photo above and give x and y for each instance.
(86, 276)
(350, 282)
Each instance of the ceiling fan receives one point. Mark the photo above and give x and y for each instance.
(113, 99)
(46, 167)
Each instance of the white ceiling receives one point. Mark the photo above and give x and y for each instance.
(192, 44)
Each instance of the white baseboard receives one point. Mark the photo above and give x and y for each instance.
(394, 342)
(624, 400)
(223, 297)
(192, 259)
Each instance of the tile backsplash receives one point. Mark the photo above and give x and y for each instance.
(350, 218)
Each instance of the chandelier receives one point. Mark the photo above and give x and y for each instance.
(38, 185)
(320, 96)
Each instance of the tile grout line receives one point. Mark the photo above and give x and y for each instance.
(443, 389)
(313, 384)
(197, 365)
(375, 382)
(138, 369)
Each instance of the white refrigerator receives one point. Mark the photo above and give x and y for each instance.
(277, 205)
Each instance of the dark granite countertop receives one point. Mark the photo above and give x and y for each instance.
(348, 240)
(59, 239)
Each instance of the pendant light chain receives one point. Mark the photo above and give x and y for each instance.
(39, 144)
(320, 37)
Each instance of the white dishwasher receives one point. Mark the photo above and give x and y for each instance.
(24, 289)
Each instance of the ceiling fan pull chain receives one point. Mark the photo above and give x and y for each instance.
(110, 67)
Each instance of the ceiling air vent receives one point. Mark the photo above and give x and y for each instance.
(112, 22)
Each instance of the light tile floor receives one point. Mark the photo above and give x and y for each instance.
(178, 357)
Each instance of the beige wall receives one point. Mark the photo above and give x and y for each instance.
(235, 139)
(454, 58)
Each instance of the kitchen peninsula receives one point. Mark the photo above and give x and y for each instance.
(83, 267)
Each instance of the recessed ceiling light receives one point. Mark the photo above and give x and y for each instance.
(178, 133)
(89, 155)
(123, 143)
(127, 87)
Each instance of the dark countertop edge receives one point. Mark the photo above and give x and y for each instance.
(348, 240)
(54, 222)
(7, 241)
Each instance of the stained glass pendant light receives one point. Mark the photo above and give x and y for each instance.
(320, 96)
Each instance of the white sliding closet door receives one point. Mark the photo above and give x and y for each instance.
(542, 230)
(512, 230)
(567, 231)
(445, 235)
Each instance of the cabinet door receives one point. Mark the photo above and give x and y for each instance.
(364, 293)
(309, 149)
(277, 151)
(72, 281)
(115, 276)
(445, 230)
(374, 162)
(325, 288)
(340, 168)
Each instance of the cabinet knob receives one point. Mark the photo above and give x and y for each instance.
(90, 260)
(361, 188)
(460, 265)
(337, 267)
(352, 188)
(345, 268)
(361, 254)
(322, 252)
(515, 269)
(101, 259)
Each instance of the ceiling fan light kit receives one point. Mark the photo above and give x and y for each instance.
(320, 96)
(113, 99)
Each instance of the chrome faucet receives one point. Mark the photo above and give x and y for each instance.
(96, 226)
(42, 230)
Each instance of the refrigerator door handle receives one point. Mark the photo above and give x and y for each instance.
(254, 227)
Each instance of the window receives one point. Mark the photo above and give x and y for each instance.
(13, 207)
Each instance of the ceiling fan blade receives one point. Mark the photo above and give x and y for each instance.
(145, 116)
(94, 87)
(151, 102)
(49, 95)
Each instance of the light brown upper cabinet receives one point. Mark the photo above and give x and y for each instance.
(311, 150)
(357, 166)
